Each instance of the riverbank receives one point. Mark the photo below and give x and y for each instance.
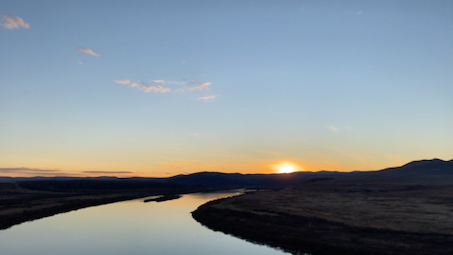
(20, 210)
(20, 203)
(341, 217)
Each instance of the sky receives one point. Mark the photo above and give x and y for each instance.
(160, 88)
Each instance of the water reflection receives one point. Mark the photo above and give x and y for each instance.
(130, 227)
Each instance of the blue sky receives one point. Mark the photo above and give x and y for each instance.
(158, 88)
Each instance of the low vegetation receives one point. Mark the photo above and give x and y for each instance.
(341, 216)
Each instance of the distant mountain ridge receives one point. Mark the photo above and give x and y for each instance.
(237, 180)
(218, 180)
(420, 168)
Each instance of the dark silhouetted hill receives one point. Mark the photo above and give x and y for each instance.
(433, 167)
(236, 180)
(429, 169)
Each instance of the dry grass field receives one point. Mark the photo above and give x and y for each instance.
(343, 216)
(427, 211)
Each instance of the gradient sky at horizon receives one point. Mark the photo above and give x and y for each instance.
(159, 88)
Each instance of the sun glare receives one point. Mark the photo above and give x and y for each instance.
(286, 169)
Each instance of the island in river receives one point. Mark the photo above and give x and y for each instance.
(405, 210)
(163, 198)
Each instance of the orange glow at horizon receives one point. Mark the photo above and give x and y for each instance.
(169, 167)
(286, 167)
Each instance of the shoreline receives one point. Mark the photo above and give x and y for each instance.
(37, 209)
(22, 201)
(259, 218)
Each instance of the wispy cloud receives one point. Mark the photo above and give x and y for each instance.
(88, 51)
(207, 97)
(25, 171)
(190, 85)
(360, 13)
(163, 86)
(201, 87)
(146, 87)
(81, 62)
(107, 172)
(127, 82)
(160, 81)
(150, 88)
(123, 81)
(10, 22)
(28, 170)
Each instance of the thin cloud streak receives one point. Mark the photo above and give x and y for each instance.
(14, 22)
(190, 85)
(150, 88)
(88, 51)
(207, 97)
(27, 170)
(201, 87)
(123, 81)
(145, 87)
(33, 172)
(107, 172)
(156, 86)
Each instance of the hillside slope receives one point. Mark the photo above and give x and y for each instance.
(403, 210)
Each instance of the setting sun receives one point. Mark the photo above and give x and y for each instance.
(286, 169)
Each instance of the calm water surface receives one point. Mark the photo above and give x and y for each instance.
(130, 227)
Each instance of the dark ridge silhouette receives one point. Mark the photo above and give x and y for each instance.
(421, 168)
(217, 180)
(257, 181)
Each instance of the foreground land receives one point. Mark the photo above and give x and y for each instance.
(343, 216)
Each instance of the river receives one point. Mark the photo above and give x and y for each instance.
(129, 227)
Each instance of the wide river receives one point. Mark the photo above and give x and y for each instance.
(131, 227)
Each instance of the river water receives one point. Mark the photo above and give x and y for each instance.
(131, 227)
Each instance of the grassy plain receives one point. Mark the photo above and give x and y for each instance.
(343, 216)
